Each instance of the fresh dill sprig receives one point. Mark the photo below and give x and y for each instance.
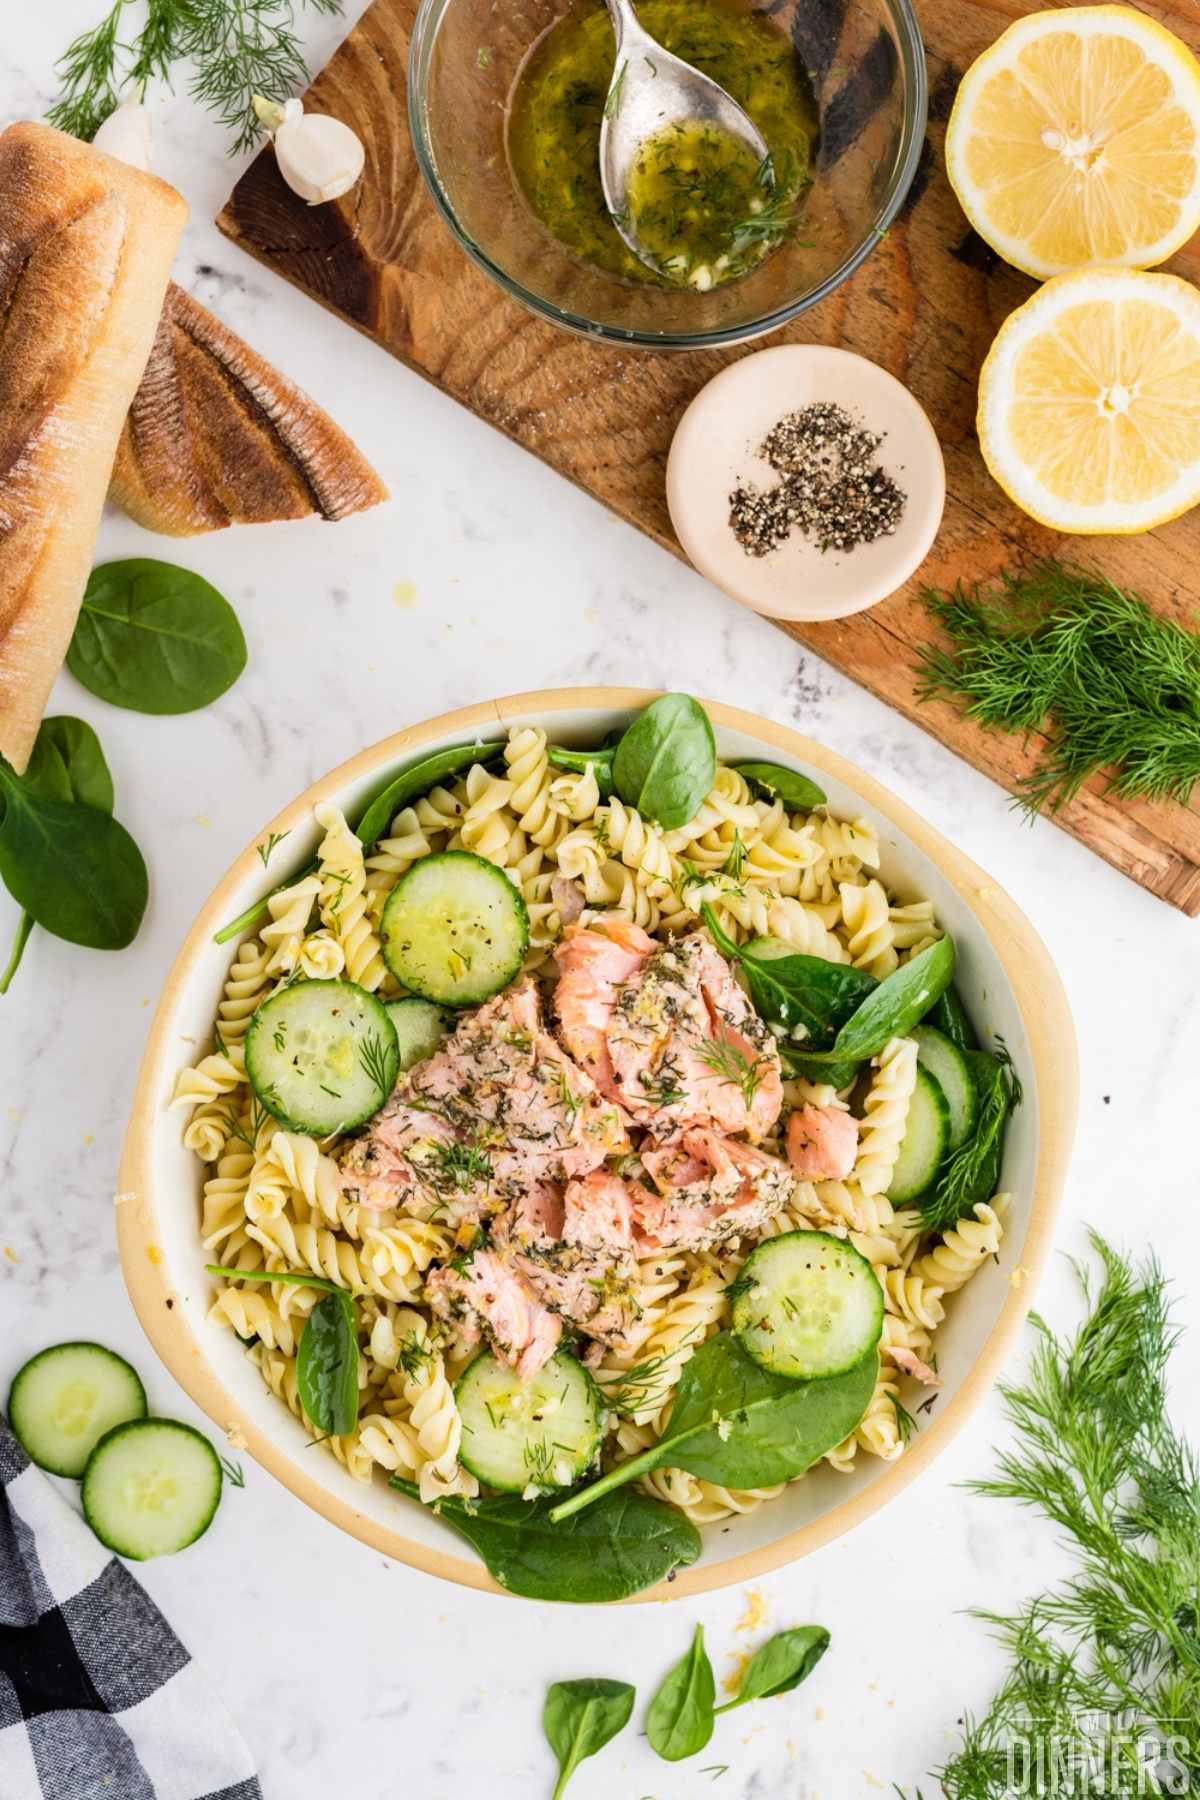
(905, 1423)
(969, 1174)
(735, 862)
(372, 1054)
(644, 1386)
(235, 1475)
(238, 48)
(1109, 1661)
(734, 1067)
(1057, 649)
(269, 845)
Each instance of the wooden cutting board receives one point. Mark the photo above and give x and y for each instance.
(926, 305)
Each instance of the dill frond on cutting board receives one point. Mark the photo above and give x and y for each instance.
(1060, 650)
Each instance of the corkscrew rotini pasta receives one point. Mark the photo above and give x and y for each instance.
(273, 1200)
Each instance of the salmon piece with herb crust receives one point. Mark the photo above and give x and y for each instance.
(666, 1031)
(575, 1249)
(499, 1106)
(486, 1291)
(709, 1189)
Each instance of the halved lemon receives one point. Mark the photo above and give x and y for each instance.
(1089, 402)
(1075, 140)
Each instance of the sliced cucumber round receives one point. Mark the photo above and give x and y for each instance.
(541, 1433)
(952, 1072)
(64, 1399)
(151, 1488)
(421, 1028)
(926, 1140)
(322, 1056)
(455, 929)
(807, 1305)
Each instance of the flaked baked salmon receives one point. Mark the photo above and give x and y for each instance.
(665, 1030)
(500, 1107)
(708, 1189)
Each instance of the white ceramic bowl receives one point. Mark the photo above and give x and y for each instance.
(1007, 980)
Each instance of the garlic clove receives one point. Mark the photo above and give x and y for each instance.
(318, 156)
(126, 135)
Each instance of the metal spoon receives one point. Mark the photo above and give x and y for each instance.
(650, 91)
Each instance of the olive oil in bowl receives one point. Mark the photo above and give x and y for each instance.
(703, 205)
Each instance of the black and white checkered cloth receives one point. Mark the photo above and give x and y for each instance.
(99, 1700)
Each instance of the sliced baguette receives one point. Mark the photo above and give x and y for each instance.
(217, 437)
(86, 245)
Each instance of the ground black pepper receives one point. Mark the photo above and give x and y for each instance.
(831, 489)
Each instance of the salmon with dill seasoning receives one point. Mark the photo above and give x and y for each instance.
(665, 1030)
(575, 1247)
(499, 1106)
(708, 1189)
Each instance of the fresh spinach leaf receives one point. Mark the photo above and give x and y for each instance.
(790, 989)
(72, 868)
(580, 1717)
(824, 1066)
(285, 1275)
(680, 1720)
(410, 784)
(780, 1665)
(155, 638)
(898, 1003)
(583, 760)
(624, 1544)
(666, 762)
(66, 764)
(950, 1016)
(417, 779)
(741, 1426)
(798, 792)
(327, 1365)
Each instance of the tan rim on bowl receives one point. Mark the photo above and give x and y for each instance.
(1052, 1051)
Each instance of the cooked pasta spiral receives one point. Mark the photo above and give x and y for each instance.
(964, 1249)
(885, 1115)
(868, 927)
(342, 875)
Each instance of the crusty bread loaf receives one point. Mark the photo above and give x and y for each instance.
(216, 437)
(86, 245)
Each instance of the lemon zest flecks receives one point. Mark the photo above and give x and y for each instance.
(405, 595)
(755, 1614)
(153, 1255)
(733, 1680)
(11, 1254)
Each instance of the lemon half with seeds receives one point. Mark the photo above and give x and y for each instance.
(1075, 140)
(1089, 402)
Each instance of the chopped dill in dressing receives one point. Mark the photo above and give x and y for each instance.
(728, 204)
(703, 205)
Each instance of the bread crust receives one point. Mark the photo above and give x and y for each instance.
(86, 246)
(217, 437)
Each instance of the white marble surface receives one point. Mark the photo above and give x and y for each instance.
(487, 574)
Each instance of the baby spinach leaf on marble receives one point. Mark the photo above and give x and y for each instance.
(741, 1426)
(72, 868)
(898, 1003)
(780, 1665)
(327, 1365)
(623, 1544)
(583, 760)
(680, 1720)
(798, 792)
(411, 783)
(666, 762)
(580, 1717)
(66, 764)
(950, 1016)
(155, 638)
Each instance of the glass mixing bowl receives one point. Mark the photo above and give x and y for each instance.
(866, 63)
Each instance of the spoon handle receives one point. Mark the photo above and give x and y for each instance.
(626, 25)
